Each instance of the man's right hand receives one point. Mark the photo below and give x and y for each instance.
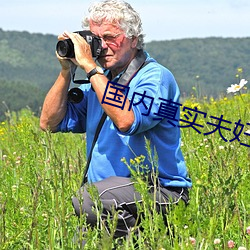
(66, 63)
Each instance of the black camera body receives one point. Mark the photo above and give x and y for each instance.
(65, 48)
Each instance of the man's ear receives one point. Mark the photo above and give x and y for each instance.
(134, 42)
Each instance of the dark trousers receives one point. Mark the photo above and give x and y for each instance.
(119, 194)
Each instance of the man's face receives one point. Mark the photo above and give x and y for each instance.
(118, 50)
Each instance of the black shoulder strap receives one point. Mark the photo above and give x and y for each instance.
(137, 63)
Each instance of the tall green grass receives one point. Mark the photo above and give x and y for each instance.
(40, 172)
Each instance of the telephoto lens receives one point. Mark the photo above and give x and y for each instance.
(65, 48)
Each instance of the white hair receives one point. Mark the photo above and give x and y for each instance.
(120, 13)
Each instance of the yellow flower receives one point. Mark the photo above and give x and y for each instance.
(240, 70)
(196, 104)
(132, 162)
(138, 160)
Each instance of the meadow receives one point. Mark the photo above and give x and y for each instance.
(40, 172)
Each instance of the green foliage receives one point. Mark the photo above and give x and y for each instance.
(28, 58)
(14, 95)
(28, 68)
(40, 172)
(211, 59)
(36, 184)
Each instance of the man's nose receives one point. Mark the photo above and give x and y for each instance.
(104, 44)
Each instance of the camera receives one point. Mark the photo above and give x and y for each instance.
(65, 48)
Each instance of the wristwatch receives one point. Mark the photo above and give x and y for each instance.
(96, 70)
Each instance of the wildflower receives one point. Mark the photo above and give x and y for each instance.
(248, 230)
(22, 210)
(216, 241)
(14, 188)
(221, 147)
(198, 182)
(195, 105)
(123, 160)
(237, 87)
(192, 240)
(242, 248)
(230, 244)
(45, 216)
(132, 162)
(240, 70)
(137, 159)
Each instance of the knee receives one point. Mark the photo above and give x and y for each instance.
(84, 205)
(82, 202)
(77, 206)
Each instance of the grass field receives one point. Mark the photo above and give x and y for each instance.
(40, 172)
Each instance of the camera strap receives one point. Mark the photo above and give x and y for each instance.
(136, 64)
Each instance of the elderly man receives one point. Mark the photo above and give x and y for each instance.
(144, 87)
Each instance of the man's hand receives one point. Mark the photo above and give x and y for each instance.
(66, 63)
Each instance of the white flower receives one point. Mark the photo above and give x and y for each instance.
(248, 230)
(242, 248)
(192, 240)
(217, 241)
(237, 87)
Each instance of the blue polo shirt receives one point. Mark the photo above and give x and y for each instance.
(154, 95)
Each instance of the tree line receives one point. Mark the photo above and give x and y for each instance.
(203, 67)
